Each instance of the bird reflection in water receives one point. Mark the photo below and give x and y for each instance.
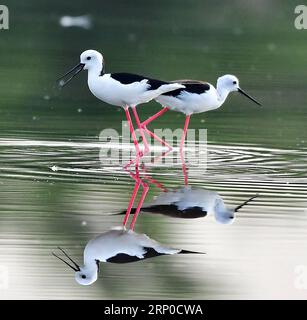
(117, 245)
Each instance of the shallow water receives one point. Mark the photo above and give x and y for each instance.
(54, 190)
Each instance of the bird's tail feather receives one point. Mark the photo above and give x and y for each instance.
(170, 87)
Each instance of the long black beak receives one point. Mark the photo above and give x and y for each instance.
(75, 266)
(70, 74)
(248, 96)
(245, 203)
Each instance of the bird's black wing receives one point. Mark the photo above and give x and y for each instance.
(172, 210)
(191, 86)
(128, 78)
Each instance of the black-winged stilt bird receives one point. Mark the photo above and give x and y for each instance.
(117, 245)
(119, 89)
(191, 203)
(196, 97)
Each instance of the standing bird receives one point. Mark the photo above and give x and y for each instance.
(117, 245)
(196, 97)
(119, 89)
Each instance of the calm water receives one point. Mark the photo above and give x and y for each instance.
(250, 149)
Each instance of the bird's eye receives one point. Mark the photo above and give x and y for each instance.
(234, 82)
(88, 58)
(83, 276)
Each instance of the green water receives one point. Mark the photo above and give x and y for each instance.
(250, 149)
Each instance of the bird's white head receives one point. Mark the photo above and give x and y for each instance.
(85, 275)
(92, 60)
(230, 83)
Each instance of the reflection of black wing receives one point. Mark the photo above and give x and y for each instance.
(126, 258)
(128, 78)
(172, 210)
(191, 86)
(150, 253)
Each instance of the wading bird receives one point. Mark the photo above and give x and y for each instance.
(196, 97)
(125, 90)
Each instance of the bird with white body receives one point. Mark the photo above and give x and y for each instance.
(125, 90)
(196, 97)
(117, 245)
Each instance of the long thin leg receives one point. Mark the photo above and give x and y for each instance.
(138, 122)
(155, 116)
(154, 136)
(185, 130)
(182, 143)
(150, 133)
(136, 144)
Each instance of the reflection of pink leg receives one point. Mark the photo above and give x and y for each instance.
(136, 144)
(138, 209)
(154, 136)
(134, 193)
(138, 122)
(184, 168)
(138, 182)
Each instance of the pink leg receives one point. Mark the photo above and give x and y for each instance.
(185, 130)
(136, 144)
(154, 136)
(182, 143)
(155, 116)
(138, 122)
